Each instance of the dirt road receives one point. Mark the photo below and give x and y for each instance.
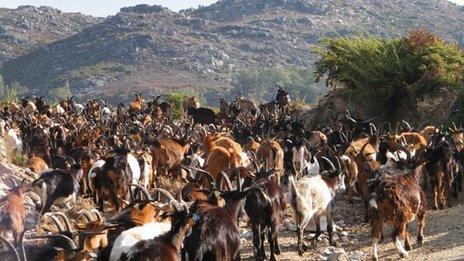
(444, 237)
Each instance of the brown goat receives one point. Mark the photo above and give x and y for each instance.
(271, 153)
(351, 168)
(13, 213)
(136, 105)
(36, 164)
(397, 199)
(220, 159)
(167, 153)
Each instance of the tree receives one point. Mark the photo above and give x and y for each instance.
(388, 77)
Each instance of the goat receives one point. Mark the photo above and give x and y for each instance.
(136, 105)
(13, 213)
(166, 246)
(36, 164)
(190, 102)
(312, 197)
(168, 153)
(216, 236)
(202, 115)
(264, 206)
(13, 142)
(57, 186)
(271, 153)
(148, 227)
(440, 167)
(351, 168)
(396, 199)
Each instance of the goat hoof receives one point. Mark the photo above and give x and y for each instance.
(420, 241)
(408, 246)
(404, 255)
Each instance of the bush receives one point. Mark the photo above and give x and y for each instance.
(389, 76)
(8, 93)
(176, 99)
(60, 93)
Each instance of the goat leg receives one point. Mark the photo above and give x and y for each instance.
(270, 238)
(317, 221)
(328, 214)
(421, 217)
(397, 231)
(407, 242)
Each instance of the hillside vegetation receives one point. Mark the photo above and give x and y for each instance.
(418, 76)
(154, 50)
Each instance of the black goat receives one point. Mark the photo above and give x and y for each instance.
(216, 235)
(57, 185)
(264, 206)
(202, 115)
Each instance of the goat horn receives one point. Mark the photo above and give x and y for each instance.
(65, 219)
(55, 220)
(373, 129)
(454, 126)
(13, 181)
(211, 179)
(87, 215)
(330, 162)
(408, 154)
(166, 193)
(226, 178)
(339, 164)
(97, 214)
(407, 125)
(143, 190)
(10, 247)
(71, 244)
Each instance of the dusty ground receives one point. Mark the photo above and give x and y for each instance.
(444, 237)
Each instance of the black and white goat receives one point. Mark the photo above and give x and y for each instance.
(313, 197)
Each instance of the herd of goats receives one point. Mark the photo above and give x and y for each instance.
(175, 189)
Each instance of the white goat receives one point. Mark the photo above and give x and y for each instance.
(304, 162)
(13, 142)
(312, 197)
(105, 115)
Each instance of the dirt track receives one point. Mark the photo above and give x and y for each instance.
(444, 237)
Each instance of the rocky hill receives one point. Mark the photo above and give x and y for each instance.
(150, 48)
(26, 28)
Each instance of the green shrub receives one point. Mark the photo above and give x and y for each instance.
(176, 99)
(388, 76)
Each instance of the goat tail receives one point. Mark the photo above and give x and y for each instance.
(373, 202)
(346, 160)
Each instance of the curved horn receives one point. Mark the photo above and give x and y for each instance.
(10, 247)
(373, 129)
(408, 154)
(97, 214)
(55, 220)
(407, 125)
(226, 178)
(329, 162)
(13, 181)
(71, 244)
(166, 193)
(454, 126)
(87, 215)
(65, 219)
(143, 190)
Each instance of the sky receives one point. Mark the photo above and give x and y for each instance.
(104, 7)
(111, 7)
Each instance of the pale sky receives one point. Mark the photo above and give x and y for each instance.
(104, 7)
(111, 7)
